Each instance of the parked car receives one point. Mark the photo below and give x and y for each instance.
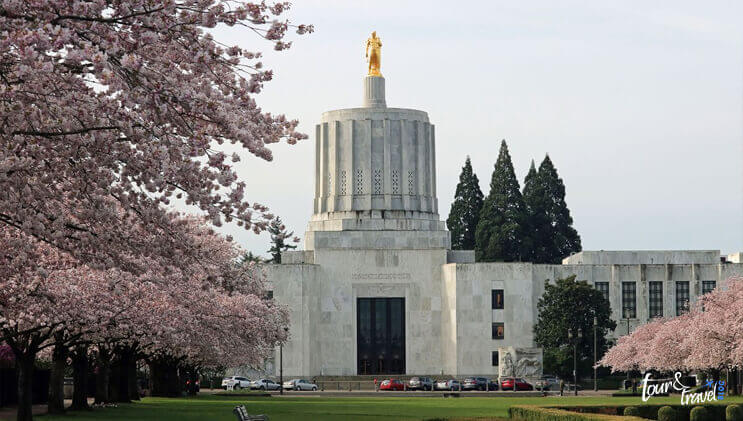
(547, 382)
(193, 386)
(451, 384)
(264, 384)
(391, 384)
(420, 383)
(299, 384)
(475, 383)
(238, 382)
(521, 384)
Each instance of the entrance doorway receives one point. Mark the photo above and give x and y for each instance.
(380, 335)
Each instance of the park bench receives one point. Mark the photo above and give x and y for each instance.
(242, 415)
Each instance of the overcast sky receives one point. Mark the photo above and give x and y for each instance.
(639, 105)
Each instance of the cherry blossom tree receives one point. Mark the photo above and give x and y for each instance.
(131, 101)
(208, 311)
(708, 337)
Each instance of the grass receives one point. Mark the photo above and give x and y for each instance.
(214, 408)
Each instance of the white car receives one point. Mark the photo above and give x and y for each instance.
(264, 384)
(237, 383)
(299, 384)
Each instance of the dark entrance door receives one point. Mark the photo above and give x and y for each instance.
(380, 335)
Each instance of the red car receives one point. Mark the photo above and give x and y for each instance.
(392, 384)
(521, 384)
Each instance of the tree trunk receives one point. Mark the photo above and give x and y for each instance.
(119, 380)
(56, 379)
(131, 370)
(80, 379)
(25, 366)
(102, 377)
(165, 381)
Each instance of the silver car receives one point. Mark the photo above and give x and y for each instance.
(264, 384)
(420, 383)
(447, 385)
(299, 384)
(547, 382)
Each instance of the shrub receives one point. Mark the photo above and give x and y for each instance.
(536, 413)
(700, 413)
(631, 411)
(666, 413)
(734, 413)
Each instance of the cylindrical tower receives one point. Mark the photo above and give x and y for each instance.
(375, 167)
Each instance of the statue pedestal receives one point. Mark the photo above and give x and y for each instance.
(520, 362)
(374, 92)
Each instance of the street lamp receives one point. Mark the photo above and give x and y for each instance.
(627, 318)
(575, 358)
(281, 365)
(595, 348)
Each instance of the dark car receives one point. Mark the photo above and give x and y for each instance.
(420, 383)
(521, 384)
(475, 383)
(193, 386)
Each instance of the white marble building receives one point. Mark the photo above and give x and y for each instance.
(377, 289)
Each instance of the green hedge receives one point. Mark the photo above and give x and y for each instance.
(615, 413)
(734, 413)
(666, 413)
(631, 411)
(700, 413)
(539, 413)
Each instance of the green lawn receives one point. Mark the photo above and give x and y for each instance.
(208, 407)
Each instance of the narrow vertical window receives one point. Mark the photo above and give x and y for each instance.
(603, 287)
(498, 331)
(656, 299)
(682, 297)
(497, 297)
(495, 358)
(629, 300)
(708, 286)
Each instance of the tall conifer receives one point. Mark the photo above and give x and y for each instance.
(564, 238)
(500, 230)
(465, 210)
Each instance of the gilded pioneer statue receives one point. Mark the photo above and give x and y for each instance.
(374, 54)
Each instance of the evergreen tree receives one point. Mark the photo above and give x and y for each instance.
(564, 239)
(551, 236)
(249, 257)
(465, 210)
(279, 238)
(538, 230)
(500, 230)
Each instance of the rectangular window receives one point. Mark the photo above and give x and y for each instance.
(495, 358)
(497, 299)
(708, 286)
(269, 295)
(629, 300)
(682, 297)
(497, 330)
(603, 287)
(656, 299)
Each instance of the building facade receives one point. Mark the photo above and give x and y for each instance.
(378, 291)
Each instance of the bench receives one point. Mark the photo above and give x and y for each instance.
(242, 415)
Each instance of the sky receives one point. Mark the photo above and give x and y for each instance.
(638, 104)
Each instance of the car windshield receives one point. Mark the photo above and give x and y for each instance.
(414, 379)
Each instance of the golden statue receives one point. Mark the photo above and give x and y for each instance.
(374, 54)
